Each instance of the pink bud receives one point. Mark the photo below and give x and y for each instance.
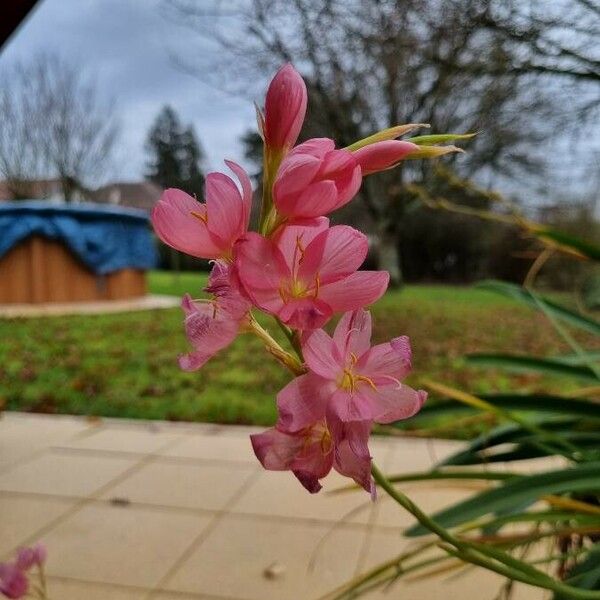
(13, 581)
(285, 108)
(383, 155)
(315, 179)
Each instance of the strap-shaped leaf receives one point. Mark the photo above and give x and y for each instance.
(477, 451)
(517, 493)
(529, 364)
(539, 404)
(560, 312)
(585, 247)
(586, 575)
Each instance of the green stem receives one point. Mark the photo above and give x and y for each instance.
(273, 346)
(293, 338)
(271, 161)
(483, 556)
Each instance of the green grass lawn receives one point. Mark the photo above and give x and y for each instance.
(125, 365)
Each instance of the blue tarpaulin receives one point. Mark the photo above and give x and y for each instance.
(105, 238)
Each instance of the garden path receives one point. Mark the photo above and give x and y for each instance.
(136, 510)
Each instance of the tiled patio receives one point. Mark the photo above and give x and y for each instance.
(165, 511)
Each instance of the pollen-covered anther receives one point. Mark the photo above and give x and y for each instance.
(200, 216)
(350, 381)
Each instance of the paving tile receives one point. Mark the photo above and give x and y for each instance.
(120, 545)
(64, 589)
(64, 474)
(473, 583)
(414, 454)
(22, 516)
(23, 435)
(196, 485)
(238, 553)
(181, 596)
(143, 438)
(280, 494)
(431, 497)
(236, 448)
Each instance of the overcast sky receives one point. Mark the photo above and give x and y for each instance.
(128, 45)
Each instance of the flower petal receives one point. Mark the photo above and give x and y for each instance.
(285, 108)
(315, 146)
(175, 224)
(383, 155)
(246, 189)
(321, 355)
(295, 173)
(260, 267)
(315, 200)
(352, 456)
(348, 186)
(355, 291)
(345, 406)
(302, 402)
(293, 239)
(274, 449)
(392, 359)
(225, 209)
(305, 313)
(353, 333)
(209, 329)
(333, 254)
(392, 401)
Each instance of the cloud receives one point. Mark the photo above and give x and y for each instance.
(127, 45)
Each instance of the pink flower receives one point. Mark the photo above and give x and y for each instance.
(315, 179)
(13, 581)
(307, 272)
(205, 230)
(354, 381)
(285, 108)
(28, 557)
(383, 155)
(211, 325)
(312, 452)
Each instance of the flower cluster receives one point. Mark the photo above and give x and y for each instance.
(14, 576)
(302, 271)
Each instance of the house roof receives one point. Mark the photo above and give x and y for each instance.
(143, 195)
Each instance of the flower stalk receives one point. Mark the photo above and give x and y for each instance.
(487, 557)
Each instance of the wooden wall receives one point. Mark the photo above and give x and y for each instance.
(40, 270)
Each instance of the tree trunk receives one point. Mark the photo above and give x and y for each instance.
(389, 256)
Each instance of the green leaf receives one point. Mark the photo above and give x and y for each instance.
(430, 140)
(505, 434)
(539, 404)
(516, 493)
(522, 295)
(578, 359)
(588, 446)
(527, 364)
(585, 247)
(545, 516)
(455, 474)
(590, 291)
(586, 575)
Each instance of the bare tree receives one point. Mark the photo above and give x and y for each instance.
(373, 64)
(53, 123)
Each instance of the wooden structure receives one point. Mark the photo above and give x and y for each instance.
(40, 270)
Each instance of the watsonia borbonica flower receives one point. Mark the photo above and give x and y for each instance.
(301, 270)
